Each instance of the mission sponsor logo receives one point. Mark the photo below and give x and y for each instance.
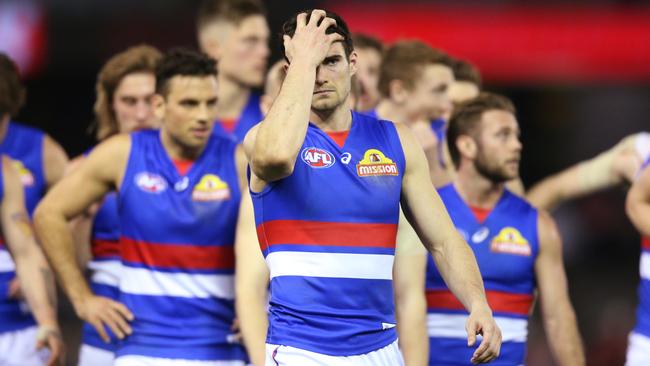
(375, 163)
(150, 182)
(26, 176)
(317, 158)
(211, 188)
(510, 241)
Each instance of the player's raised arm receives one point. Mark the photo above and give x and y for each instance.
(557, 311)
(638, 203)
(454, 259)
(68, 199)
(31, 266)
(280, 135)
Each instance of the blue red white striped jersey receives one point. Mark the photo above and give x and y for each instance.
(328, 234)
(643, 309)
(105, 264)
(250, 116)
(177, 251)
(506, 246)
(24, 145)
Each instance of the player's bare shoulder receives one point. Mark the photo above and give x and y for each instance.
(107, 161)
(249, 141)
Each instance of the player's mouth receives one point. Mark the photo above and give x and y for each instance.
(318, 92)
(200, 132)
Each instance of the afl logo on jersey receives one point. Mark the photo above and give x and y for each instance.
(150, 183)
(317, 158)
(510, 241)
(375, 163)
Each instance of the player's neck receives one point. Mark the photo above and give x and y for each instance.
(338, 119)
(477, 190)
(233, 97)
(176, 150)
(388, 110)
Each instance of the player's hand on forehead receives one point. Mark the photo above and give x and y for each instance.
(310, 41)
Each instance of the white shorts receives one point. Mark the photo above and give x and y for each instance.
(291, 356)
(638, 350)
(94, 356)
(134, 360)
(18, 348)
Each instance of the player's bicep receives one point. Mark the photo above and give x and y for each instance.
(421, 203)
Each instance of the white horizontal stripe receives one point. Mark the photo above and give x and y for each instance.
(106, 272)
(453, 326)
(6, 263)
(644, 266)
(142, 281)
(333, 265)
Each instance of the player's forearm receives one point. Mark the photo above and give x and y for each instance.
(281, 134)
(38, 283)
(458, 267)
(251, 310)
(412, 329)
(54, 235)
(563, 335)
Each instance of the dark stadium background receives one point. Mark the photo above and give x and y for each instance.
(568, 110)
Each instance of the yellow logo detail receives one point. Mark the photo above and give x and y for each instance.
(510, 241)
(26, 176)
(211, 188)
(375, 163)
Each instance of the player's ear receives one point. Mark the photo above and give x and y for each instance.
(353, 63)
(158, 104)
(466, 146)
(397, 91)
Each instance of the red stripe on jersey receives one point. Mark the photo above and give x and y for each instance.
(645, 243)
(178, 256)
(326, 234)
(499, 301)
(105, 248)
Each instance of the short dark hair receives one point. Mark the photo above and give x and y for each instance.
(289, 29)
(404, 61)
(12, 90)
(466, 71)
(182, 62)
(467, 115)
(233, 11)
(362, 40)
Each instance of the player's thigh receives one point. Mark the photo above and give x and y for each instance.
(18, 348)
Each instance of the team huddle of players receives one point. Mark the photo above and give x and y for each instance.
(365, 209)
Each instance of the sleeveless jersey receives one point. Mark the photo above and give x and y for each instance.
(328, 235)
(177, 251)
(24, 145)
(250, 116)
(643, 309)
(105, 264)
(506, 246)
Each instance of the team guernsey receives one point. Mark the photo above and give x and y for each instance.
(328, 235)
(176, 244)
(24, 145)
(105, 264)
(250, 116)
(505, 246)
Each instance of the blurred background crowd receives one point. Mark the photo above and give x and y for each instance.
(577, 71)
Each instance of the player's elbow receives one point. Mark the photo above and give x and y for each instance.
(272, 166)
